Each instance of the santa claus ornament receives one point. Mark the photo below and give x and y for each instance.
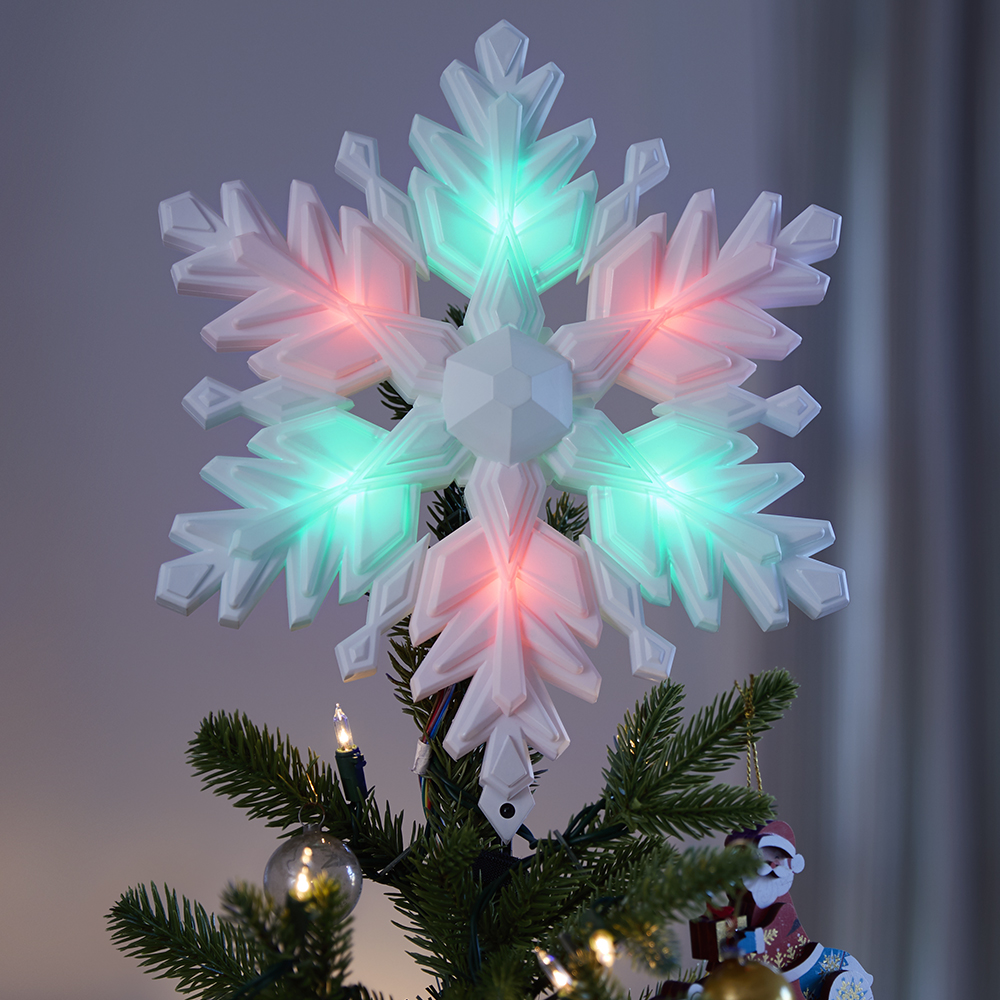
(762, 926)
(503, 406)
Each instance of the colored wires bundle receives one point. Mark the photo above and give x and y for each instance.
(434, 721)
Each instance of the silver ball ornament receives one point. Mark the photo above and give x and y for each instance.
(299, 860)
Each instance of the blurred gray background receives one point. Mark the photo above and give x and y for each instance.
(883, 110)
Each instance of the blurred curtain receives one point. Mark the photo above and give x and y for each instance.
(889, 111)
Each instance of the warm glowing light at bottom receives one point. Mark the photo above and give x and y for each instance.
(553, 968)
(303, 881)
(603, 946)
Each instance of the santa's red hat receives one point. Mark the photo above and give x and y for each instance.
(774, 834)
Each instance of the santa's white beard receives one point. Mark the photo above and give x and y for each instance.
(765, 889)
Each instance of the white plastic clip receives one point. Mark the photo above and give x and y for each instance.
(422, 760)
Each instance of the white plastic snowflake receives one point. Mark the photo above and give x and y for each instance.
(503, 406)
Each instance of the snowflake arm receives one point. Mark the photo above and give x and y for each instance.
(672, 319)
(501, 218)
(511, 599)
(332, 494)
(336, 311)
(672, 503)
(388, 207)
(615, 214)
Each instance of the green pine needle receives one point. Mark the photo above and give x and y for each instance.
(568, 518)
(456, 314)
(448, 511)
(267, 777)
(662, 887)
(658, 779)
(668, 888)
(306, 942)
(263, 773)
(610, 862)
(183, 942)
(393, 401)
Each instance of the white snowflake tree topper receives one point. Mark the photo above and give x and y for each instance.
(503, 406)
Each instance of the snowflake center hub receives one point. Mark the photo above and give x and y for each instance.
(507, 397)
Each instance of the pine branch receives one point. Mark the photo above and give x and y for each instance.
(377, 840)
(615, 863)
(355, 991)
(567, 518)
(405, 658)
(594, 858)
(266, 776)
(667, 888)
(655, 769)
(393, 401)
(714, 808)
(438, 899)
(467, 932)
(662, 887)
(183, 942)
(263, 773)
(717, 734)
(448, 511)
(456, 314)
(307, 942)
(509, 973)
(541, 895)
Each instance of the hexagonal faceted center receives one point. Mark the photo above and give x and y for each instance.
(508, 397)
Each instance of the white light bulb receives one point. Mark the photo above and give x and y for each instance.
(553, 968)
(342, 728)
(561, 978)
(603, 946)
(302, 883)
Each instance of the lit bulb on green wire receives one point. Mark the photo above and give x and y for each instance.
(342, 729)
(553, 969)
(350, 760)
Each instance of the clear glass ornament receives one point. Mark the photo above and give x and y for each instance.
(298, 861)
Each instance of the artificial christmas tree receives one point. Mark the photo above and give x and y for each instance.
(491, 409)
(474, 911)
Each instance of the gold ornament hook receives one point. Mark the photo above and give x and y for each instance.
(748, 713)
